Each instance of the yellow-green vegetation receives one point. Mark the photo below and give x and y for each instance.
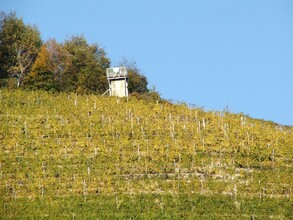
(78, 157)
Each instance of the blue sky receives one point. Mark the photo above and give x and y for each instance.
(210, 53)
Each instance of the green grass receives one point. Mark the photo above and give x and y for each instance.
(146, 206)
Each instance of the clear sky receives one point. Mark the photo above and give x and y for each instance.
(210, 53)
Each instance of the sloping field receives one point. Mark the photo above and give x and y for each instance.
(77, 157)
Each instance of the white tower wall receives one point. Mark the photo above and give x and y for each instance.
(118, 88)
(117, 79)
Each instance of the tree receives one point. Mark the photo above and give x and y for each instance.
(41, 75)
(26, 50)
(50, 69)
(60, 62)
(137, 82)
(89, 63)
(10, 27)
(19, 46)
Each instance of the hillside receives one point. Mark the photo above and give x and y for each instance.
(69, 156)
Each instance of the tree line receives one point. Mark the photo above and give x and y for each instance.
(71, 66)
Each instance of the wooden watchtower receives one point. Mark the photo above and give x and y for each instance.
(117, 79)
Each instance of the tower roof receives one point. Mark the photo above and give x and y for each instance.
(116, 72)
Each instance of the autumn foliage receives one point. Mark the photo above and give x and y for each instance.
(71, 66)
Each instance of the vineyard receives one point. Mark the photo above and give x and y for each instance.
(91, 157)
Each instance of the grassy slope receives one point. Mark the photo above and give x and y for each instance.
(100, 157)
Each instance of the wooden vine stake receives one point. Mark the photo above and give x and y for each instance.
(201, 184)
(84, 187)
(25, 129)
